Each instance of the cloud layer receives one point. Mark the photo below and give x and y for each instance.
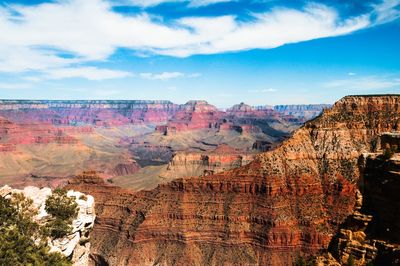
(150, 3)
(56, 38)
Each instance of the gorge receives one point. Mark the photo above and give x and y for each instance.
(287, 203)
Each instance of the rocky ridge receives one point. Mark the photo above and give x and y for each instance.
(286, 202)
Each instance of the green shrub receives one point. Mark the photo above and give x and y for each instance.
(63, 210)
(21, 240)
(59, 205)
(57, 228)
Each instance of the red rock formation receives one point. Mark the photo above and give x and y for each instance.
(287, 201)
(195, 115)
(204, 163)
(126, 169)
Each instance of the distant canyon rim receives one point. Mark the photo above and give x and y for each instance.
(135, 144)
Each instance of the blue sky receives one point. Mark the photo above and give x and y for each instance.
(223, 51)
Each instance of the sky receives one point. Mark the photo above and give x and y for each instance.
(261, 52)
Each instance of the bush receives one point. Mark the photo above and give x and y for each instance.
(63, 210)
(60, 206)
(21, 241)
(57, 228)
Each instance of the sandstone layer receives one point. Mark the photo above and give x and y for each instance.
(58, 139)
(286, 202)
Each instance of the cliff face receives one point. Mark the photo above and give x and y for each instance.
(372, 233)
(287, 201)
(205, 163)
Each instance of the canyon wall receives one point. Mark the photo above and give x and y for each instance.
(221, 159)
(287, 202)
(371, 234)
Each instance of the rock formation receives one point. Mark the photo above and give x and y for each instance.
(372, 233)
(75, 245)
(287, 202)
(63, 138)
(221, 159)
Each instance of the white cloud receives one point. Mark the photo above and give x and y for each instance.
(149, 3)
(363, 83)
(198, 3)
(36, 37)
(90, 73)
(351, 74)
(386, 11)
(162, 76)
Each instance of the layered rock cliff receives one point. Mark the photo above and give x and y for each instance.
(286, 202)
(372, 233)
(221, 159)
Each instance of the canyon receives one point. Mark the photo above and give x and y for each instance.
(44, 142)
(288, 202)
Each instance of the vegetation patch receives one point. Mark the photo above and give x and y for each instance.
(24, 241)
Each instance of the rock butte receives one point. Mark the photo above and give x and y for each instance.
(286, 202)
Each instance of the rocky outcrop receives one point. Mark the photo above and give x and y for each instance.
(193, 116)
(372, 234)
(76, 245)
(286, 202)
(205, 163)
(126, 168)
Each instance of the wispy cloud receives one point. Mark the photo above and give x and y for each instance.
(168, 75)
(263, 90)
(149, 3)
(364, 83)
(37, 37)
(90, 73)
(351, 74)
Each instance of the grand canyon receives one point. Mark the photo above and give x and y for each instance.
(199, 132)
(193, 185)
(136, 144)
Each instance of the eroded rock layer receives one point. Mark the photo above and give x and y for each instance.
(45, 138)
(288, 201)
